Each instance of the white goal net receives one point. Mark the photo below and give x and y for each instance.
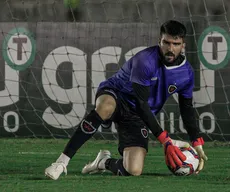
(54, 57)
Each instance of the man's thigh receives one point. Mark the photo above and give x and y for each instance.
(132, 132)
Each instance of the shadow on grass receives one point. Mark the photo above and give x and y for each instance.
(73, 175)
(158, 174)
(36, 178)
(107, 173)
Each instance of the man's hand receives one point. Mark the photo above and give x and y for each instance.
(173, 155)
(197, 145)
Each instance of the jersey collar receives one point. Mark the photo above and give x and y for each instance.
(180, 60)
(177, 66)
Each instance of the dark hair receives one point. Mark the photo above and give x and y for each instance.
(173, 28)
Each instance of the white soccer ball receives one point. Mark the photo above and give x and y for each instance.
(189, 165)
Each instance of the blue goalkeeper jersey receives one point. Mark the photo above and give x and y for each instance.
(145, 68)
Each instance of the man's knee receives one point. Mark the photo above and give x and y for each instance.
(134, 160)
(134, 170)
(105, 106)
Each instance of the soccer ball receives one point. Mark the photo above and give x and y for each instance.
(189, 165)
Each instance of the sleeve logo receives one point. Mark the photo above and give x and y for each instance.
(87, 128)
(144, 132)
(171, 89)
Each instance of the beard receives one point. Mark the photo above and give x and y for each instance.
(169, 57)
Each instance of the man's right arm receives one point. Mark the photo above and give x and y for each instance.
(173, 154)
(141, 73)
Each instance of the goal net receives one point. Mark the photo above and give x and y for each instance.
(54, 57)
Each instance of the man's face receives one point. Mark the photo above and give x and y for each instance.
(171, 47)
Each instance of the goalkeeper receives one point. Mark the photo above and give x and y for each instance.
(131, 98)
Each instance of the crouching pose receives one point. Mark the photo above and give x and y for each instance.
(131, 98)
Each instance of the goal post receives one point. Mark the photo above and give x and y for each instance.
(53, 59)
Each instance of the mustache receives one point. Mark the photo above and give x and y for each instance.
(169, 54)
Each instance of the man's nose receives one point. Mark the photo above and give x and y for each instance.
(170, 48)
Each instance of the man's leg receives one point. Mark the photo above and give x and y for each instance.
(105, 107)
(132, 162)
(133, 146)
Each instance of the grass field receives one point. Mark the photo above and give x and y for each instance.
(23, 162)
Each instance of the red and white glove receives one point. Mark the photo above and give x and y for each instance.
(173, 155)
(197, 145)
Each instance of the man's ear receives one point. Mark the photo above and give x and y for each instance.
(159, 41)
(184, 45)
(184, 48)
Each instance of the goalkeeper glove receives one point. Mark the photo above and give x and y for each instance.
(173, 155)
(197, 145)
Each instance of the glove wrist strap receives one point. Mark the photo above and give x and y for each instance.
(198, 141)
(163, 137)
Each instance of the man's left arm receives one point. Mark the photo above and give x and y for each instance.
(188, 116)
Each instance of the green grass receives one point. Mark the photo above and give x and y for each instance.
(23, 162)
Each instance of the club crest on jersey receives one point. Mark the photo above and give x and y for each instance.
(171, 88)
(144, 132)
(87, 128)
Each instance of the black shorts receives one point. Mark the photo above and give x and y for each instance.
(132, 131)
